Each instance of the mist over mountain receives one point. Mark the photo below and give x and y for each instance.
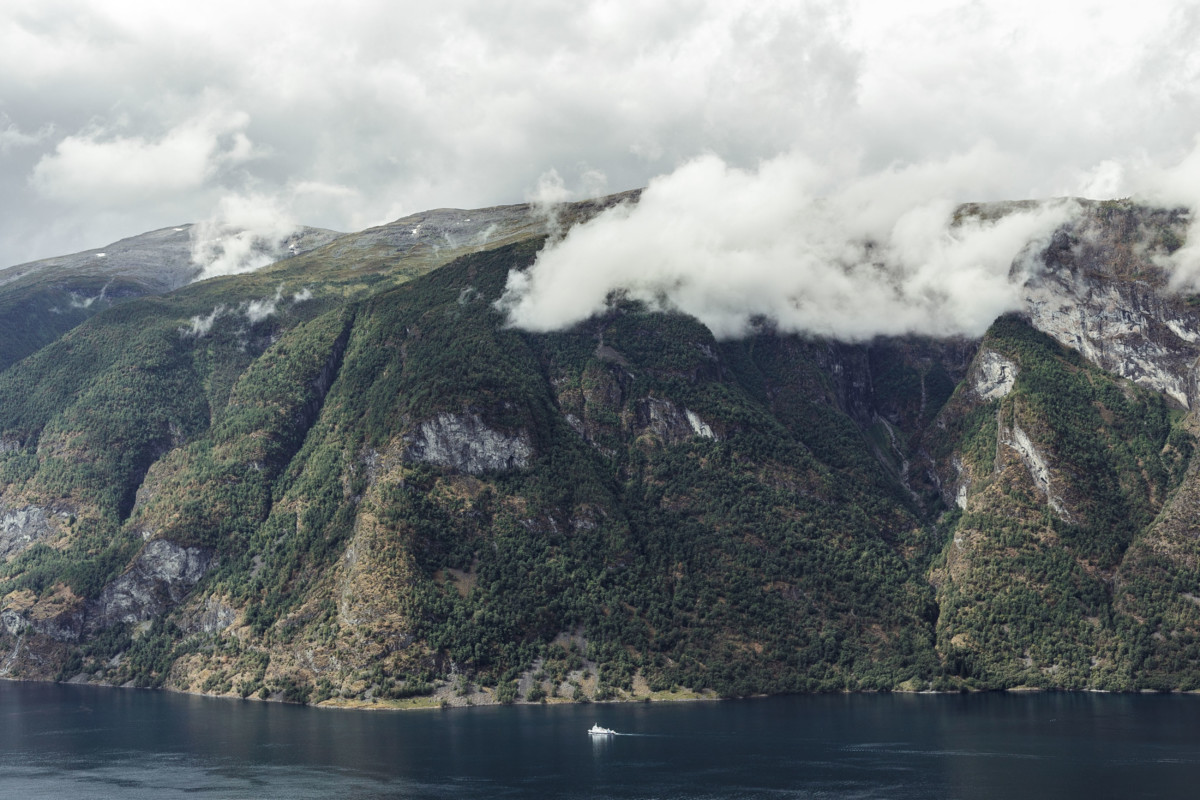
(644, 446)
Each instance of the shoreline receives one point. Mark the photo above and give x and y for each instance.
(436, 703)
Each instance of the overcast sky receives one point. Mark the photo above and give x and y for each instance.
(121, 116)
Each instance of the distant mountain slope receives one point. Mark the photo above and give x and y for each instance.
(343, 478)
(42, 300)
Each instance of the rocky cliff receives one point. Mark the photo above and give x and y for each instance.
(1105, 292)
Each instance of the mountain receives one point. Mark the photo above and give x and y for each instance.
(343, 479)
(42, 300)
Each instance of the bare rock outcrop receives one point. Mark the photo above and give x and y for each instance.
(1106, 293)
(465, 443)
(159, 579)
(1039, 468)
(669, 422)
(994, 376)
(21, 527)
(210, 615)
(58, 614)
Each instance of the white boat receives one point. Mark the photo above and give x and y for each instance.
(596, 730)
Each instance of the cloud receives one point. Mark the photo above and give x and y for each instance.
(258, 310)
(255, 312)
(797, 244)
(475, 104)
(547, 199)
(357, 114)
(102, 165)
(86, 302)
(12, 137)
(201, 326)
(246, 232)
(1174, 186)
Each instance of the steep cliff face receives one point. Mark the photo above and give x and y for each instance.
(994, 376)
(1157, 587)
(158, 580)
(1105, 293)
(1057, 478)
(1075, 506)
(465, 443)
(667, 422)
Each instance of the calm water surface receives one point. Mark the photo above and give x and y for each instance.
(84, 742)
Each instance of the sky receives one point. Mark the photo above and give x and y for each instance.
(122, 116)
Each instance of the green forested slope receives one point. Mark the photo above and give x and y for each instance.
(1025, 585)
(384, 493)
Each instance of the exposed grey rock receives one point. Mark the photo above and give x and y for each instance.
(962, 487)
(1106, 293)
(669, 422)
(65, 627)
(12, 622)
(159, 579)
(576, 424)
(1039, 468)
(22, 527)
(1127, 328)
(463, 442)
(994, 376)
(11, 659)
(699, 426)
(212, 616)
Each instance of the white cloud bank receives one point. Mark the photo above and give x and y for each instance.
(790, 243)
(122, 117)
(246, 232)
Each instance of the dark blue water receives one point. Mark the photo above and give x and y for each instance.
(72, 741)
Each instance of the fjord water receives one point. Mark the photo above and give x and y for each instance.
(77, 741)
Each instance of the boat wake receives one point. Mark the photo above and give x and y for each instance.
(603, 733)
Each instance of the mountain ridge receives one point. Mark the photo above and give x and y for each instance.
(378, 492)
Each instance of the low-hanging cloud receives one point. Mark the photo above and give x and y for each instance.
(246, 232)
(794, 243)
(86, 302)
(200, 326)
(118, 118)
(258, 310)
(1173, 186)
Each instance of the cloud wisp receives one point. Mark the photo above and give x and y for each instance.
(246, 232)
(255, 311)
(792, 245)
